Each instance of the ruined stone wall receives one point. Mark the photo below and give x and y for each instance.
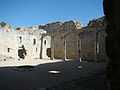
(32, 47)
(72, 47)
(88, 45)
(101, 56)
(8, 44)
(58, 47)
(93, 40)
(46, 44)
(12, 42)
(61, 32)
(71, 39)
(32, 41)
(52, 27)
(79, 41)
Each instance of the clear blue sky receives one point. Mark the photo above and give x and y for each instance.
(32, 12)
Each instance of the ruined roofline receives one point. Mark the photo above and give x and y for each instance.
(43, 25)
(99, 22)
(5, 27)
(3, 24)
(100, 19)
(59, 23)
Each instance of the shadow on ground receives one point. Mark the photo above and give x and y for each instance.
(71, 75)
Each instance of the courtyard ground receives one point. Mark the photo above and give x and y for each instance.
(70, 75)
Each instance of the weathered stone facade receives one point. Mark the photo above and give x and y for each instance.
(60, 40)
(40, 41)
(13, 42)
(65, 38)
(93, 40)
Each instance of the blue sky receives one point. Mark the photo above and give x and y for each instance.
(33, 12)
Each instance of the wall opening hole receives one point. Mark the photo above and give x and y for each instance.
(45, 42)
(34, 41)
(8, 50)
(20, 39)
